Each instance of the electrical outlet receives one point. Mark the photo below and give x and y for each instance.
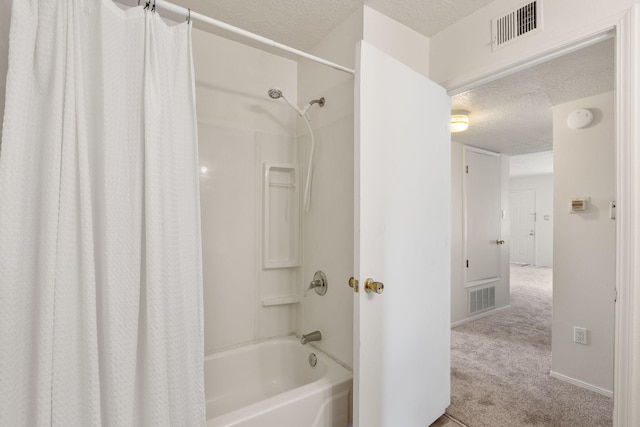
(579, 335)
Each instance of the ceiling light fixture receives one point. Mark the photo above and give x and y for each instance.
(459, 121)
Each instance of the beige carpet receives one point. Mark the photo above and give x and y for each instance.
(500, 366)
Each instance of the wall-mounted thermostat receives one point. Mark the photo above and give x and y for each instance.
(580, 204)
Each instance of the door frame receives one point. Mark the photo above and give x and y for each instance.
(626, 28)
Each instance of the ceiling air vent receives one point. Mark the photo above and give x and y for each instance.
(519, 22)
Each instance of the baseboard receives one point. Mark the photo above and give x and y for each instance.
(581, 384)
(480, 316)
(455, 421)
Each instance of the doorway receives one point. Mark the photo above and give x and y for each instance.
(522, 205)
(520, 147)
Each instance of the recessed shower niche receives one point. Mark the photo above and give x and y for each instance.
(281, 216)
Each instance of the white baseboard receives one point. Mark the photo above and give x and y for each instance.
(581, 384)
(480, 316)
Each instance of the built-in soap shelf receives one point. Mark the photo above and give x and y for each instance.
(291, 299)
(281, 216)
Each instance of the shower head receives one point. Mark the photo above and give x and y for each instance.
(275, 93)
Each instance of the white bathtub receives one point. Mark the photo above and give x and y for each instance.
(271, 384)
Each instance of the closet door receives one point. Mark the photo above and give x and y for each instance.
(483, 216)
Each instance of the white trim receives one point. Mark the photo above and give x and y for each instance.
(482, 282)
(481, 315)
(458, 87)
(481, 151)
(586, 37)
(453, 420)
(465, 251)
(627, 348)
(581, 384)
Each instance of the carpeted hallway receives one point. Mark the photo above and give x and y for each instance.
(500, 366)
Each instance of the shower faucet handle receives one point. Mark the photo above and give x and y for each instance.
(319, 283)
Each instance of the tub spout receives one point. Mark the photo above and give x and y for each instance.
(312, 336)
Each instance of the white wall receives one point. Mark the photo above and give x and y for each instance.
(584, 244)
(542, 185)
(462, 51)
(328, 226)
(5, 17)
(503, 294)
(458, 292)
(240, 127)
(397, 40)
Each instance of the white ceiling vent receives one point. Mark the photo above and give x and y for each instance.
(521, 21)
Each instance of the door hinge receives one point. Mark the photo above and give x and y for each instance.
(467, 263)
(466, 169)
(615, 294)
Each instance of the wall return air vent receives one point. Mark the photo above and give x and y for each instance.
(482, 299)
(524, 20)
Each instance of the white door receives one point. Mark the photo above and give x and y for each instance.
(523, 232)
(402, 239)
(483, 215)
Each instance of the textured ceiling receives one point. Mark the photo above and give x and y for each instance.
(303, 23)
(513, 115)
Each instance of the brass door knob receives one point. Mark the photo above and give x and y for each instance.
(375, 287)
(500, 242)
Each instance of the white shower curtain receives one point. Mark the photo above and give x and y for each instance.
(101, 318)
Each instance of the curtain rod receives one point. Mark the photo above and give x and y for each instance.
(247, 34)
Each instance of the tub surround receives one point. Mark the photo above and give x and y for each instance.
(240, 130)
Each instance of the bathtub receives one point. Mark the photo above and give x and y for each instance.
(271, 384)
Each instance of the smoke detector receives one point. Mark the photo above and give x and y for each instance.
(580, 118)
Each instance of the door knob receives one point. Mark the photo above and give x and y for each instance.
(375, 287)
(500, 242)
